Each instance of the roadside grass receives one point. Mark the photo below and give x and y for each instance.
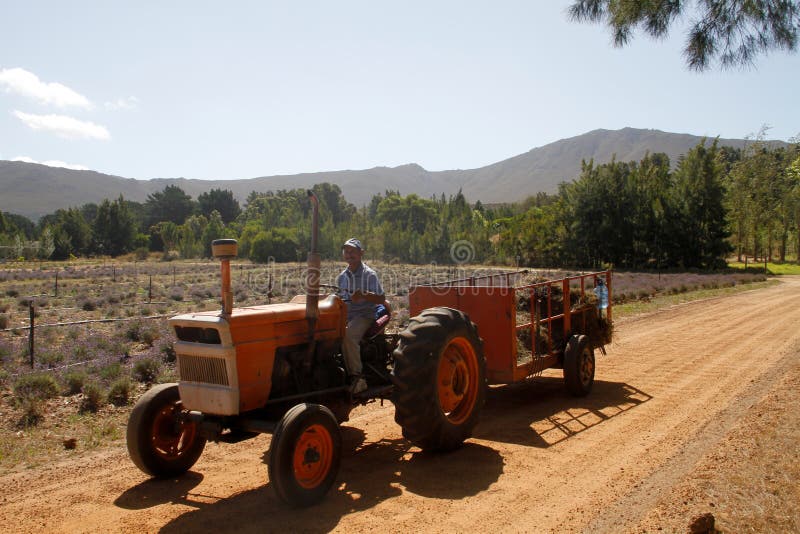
(772, 268)
(654, 304)
(66, 433)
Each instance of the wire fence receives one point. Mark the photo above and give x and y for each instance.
(78, 300)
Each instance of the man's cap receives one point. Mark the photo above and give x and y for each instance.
(353, 242)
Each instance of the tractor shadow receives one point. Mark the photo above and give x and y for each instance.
(540, 413)
(370, 473)
(153, 492)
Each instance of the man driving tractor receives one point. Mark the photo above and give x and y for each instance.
(360, 288)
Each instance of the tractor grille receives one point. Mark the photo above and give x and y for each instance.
(203, 369)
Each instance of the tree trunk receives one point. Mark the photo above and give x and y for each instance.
(784, 239)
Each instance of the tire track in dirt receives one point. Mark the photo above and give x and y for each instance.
(673, 384)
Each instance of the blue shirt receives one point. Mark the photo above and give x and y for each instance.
(363, 279)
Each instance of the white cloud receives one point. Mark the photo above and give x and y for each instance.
(63, 126)
(27, 84)
(53, 163)
(129, 102)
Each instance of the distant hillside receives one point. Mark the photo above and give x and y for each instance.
(34, 190)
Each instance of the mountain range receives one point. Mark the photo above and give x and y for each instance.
(34, 190)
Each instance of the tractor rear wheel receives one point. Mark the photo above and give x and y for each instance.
(579, 366)
(161, 443)
(440, 379)
(304, 454)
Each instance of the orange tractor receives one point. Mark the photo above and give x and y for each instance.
(279, 369)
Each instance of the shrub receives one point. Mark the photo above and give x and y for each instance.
(12, 292)
(74, 381)
(92, 397)
(4, 321)
(146, 370)
(168, 352)
(132, 332)
(32, 412)
(149, 335)
(119, 393)
(141, 332)
(49, 357)
(88, 305)
(38, 386)
(111, 371)
(176, 293)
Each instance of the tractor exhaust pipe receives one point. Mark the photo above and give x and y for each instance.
(225, 250)
(313, 271)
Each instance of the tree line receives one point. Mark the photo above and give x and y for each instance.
(647, 214)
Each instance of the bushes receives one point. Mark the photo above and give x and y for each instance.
(31, 391)
(119, 394)
(74, 382)
(137, 331)
(146, 370)
(92, 397)
(39, 386)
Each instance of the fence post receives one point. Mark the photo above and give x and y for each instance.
(56, 284)
(150, 290)
(114, 274)
(30, 335)
(173, 276)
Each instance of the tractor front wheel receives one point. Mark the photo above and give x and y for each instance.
(304, 454)
(160, 442)
(440, 379)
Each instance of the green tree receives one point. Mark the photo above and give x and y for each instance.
(172, 204)
(793, 175)
(114, 228)
(698, 180)
(277, 244)
(72, 234)
(215, 229)
(731, 31)
(221, 201)
(190, 235)
(20, 224)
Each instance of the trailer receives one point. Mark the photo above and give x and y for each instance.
(528, 328)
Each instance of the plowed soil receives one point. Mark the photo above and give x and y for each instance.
(694, 410)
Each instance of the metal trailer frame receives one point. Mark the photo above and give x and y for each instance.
(491, 301)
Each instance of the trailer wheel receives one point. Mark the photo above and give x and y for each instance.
(579, 366)
(304, 454)
(440, 379)
(159, 442)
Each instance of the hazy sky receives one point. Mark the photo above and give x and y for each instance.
(243, 89)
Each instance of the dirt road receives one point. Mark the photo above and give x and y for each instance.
(675, 390)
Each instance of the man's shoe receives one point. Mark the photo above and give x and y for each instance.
(358, 386)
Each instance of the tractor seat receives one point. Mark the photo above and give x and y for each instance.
(382, 317)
